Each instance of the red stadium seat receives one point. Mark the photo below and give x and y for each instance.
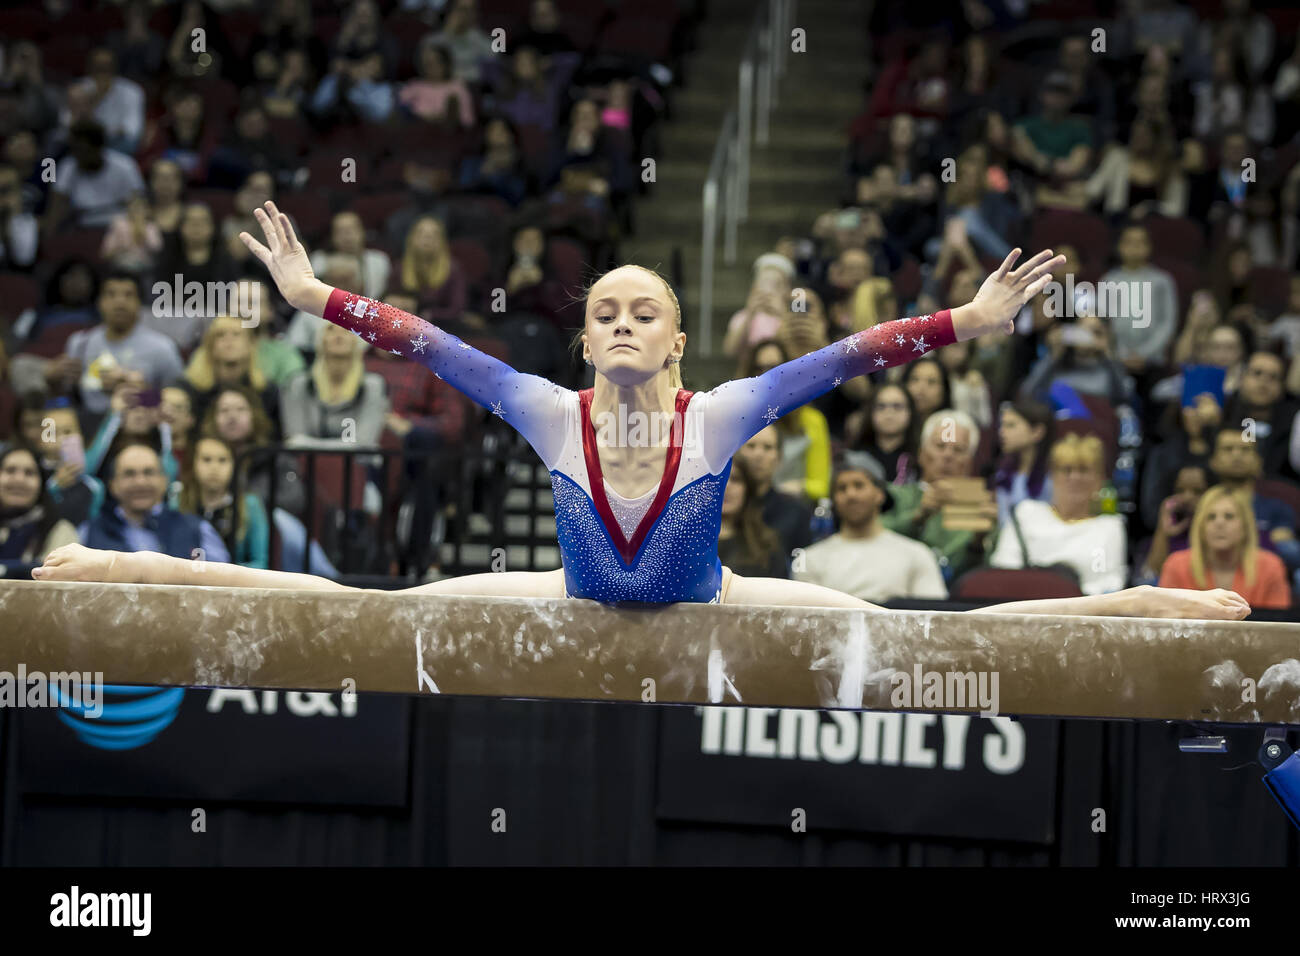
(1088, 233)
(566, 261)
(291, 132)
(474, 260)
(72, 243)
(1282, 490)
(220, 201)
(52, 341)
(240, 28)
(376, 208)
(17, 293)
(638, 36)
(1187, 277)
(1006, 584)
(311, 215)
(1176, 238)
(1270, 288)
(535, 144)
(907, 281)
(479, 217)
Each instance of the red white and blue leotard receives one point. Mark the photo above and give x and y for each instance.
(663, 546)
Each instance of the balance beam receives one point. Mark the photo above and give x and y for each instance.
(397, 642)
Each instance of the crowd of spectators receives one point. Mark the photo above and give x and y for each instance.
(422, 161)
(1143, 425)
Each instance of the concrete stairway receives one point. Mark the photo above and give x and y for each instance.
(795, 177)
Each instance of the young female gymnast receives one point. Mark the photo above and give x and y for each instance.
(637, 518)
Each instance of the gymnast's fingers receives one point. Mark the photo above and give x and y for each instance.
(1007, 263)
(256, 248)
(268, 228)
(291, 238)
(277, 225)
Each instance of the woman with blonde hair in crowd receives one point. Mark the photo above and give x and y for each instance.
(805, 467)
(430, 273)
(1068, 530)
(319, 402)
(227, 355)
(1224, 547)
(873, 302)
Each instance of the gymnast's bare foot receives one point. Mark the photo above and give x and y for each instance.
(1215, 605)
(75, 562)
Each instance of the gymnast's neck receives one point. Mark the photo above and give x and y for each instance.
(655, 395)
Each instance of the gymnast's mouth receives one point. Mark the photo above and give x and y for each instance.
(624, 345)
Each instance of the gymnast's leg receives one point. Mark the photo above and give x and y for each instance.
(778, 591)
(529, 584)
(1214, 605)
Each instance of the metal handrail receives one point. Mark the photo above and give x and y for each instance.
(762, 62)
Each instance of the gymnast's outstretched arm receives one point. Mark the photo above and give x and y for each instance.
(531, 404)
(76, 562)
(735, 411)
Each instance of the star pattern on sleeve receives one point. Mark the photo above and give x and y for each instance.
(771, 415)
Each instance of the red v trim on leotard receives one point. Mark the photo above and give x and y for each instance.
(596, 478)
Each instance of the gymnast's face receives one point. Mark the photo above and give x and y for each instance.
(20, 480)
(630, 333)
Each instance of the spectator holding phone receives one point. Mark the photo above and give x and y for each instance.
(1081, 355)
(766, 307)
(1225, 548)
(135, 415)
(1175, 521)
(110, 352)
(30, 524)
(50, 425)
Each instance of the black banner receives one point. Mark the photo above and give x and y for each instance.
(225, 744)
(946, 775)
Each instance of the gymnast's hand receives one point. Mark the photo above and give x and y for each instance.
(285, 258)
(1214, 605)
(75, 562)
(1003, 294)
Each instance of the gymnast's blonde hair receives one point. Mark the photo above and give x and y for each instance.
(674, 368)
